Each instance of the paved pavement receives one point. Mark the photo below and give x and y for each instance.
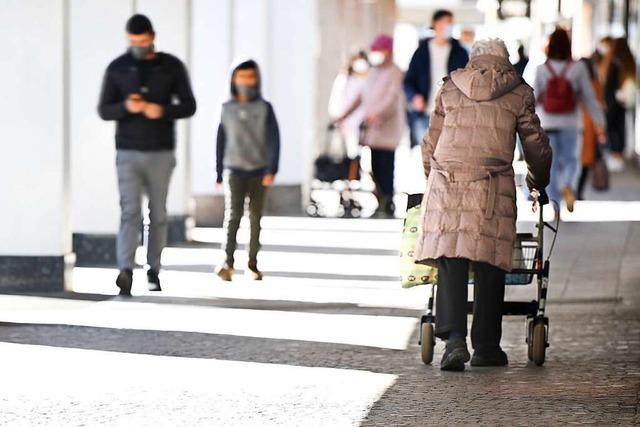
(327, 339)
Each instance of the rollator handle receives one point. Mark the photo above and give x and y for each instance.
(540, 198)
(543, 198)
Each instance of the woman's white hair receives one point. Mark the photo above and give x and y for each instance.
(495, 47)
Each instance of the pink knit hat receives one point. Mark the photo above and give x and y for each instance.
(382, 42)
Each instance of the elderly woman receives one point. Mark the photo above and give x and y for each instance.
(469, 206)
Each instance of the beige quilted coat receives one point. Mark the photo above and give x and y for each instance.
(469, 207)
(382, 96)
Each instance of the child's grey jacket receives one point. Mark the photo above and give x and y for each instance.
(248, 140)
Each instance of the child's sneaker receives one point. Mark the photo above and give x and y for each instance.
(225, 271)
(253, 271)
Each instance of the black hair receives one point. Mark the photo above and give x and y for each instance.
(439, 14)
(139, 24)
(247, 65)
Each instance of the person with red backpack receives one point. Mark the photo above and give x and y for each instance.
(560, 86)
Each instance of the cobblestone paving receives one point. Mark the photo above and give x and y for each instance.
(591, 376)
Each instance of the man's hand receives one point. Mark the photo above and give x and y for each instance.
(267, 180)
(153, 111)
(218, 183)
(135, 103)
(418, 103)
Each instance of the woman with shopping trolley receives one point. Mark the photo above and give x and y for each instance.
(469, 206)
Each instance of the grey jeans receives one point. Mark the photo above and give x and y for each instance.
(237, 190)
(139, 173)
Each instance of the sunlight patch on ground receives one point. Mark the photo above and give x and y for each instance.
(205, 285)
(375, 331)
(136, 389)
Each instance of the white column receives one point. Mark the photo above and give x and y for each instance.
(171, 21)
(251, 33)
(97, 36)
(34, 226)
(293, 50)
(210, 58)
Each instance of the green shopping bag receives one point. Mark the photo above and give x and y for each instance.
(413, 274)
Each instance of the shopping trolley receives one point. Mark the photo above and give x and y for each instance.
(335, 172)
(529, 263)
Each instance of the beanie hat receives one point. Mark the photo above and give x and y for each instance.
(139, 24)
(382, 42)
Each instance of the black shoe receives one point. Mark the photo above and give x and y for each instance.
(153, 281)
(124, 282)
(455, 356)
(489, 357)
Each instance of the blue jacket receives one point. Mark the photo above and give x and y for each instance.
(417, 80)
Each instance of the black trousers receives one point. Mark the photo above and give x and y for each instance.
(382, 164)
(488, 298)
(582, 182)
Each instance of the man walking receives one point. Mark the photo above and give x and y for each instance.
(144, 91)
(433, 59)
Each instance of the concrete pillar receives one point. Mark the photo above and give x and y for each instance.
(211, 52)
(293, 73)
(35, 243)
(172, 21)
(97, 36)
(251, 33)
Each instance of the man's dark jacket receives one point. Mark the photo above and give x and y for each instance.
(162, 80)
(417, 80)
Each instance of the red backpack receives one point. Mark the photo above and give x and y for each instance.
(558, 96)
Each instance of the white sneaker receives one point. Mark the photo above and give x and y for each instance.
(615, 164)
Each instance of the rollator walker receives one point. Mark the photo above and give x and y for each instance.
(529, 262)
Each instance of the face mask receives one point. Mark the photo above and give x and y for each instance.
(447, 33)
(140, 52)
(602, 49)
(247, 91)
(376, 58)
(360, 66)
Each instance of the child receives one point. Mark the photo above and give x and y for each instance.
(247, 151)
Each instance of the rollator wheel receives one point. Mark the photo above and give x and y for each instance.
(312, 210)
(427, 342)
(539, 345)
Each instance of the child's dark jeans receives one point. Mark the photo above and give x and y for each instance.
(237, 189)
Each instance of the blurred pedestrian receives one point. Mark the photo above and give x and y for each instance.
(346, 88)
(620, 95)
(467, 38)
(247, 157)
(590, 150)
(469, 206)
(523, 60)
(381, 99)
(144, 91)
(433, 59)
(560, 85)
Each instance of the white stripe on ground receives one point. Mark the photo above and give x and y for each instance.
(374, 331)
(205, 285)
(91, 387)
